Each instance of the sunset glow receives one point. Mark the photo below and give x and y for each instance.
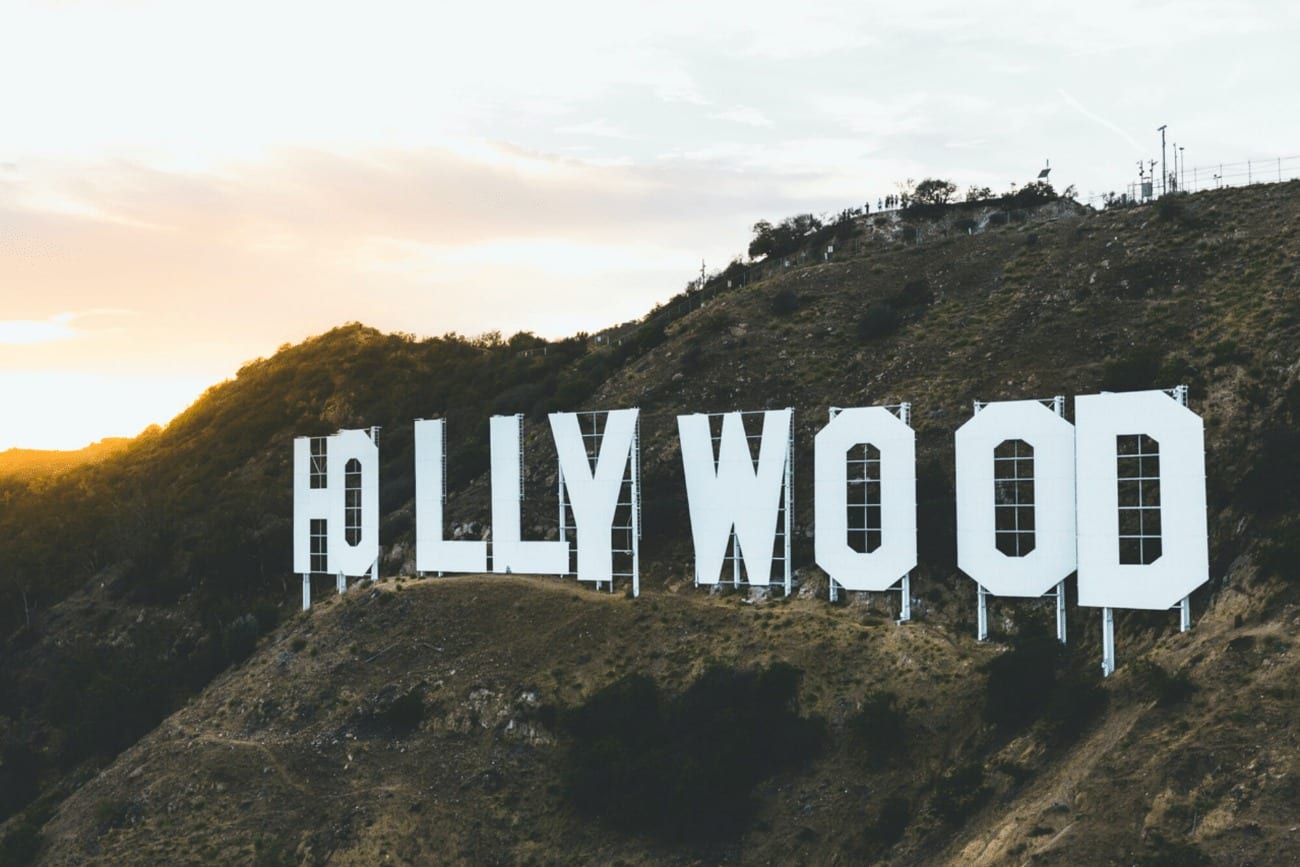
(187, 186)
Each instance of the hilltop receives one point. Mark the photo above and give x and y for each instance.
(30, 464)
(173, 556)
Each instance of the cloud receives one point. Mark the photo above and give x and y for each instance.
(24, 332)
(1101, 121)
(746, 115)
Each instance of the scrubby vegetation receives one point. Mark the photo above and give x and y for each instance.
(684, 768)
(157, 582)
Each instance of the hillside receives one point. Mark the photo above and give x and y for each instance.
(30, 464)
(173, 556)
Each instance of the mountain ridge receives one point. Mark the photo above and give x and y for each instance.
(174, 555)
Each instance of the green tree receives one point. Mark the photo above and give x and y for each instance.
(933, 191)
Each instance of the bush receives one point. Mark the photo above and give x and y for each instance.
(915, 293)
(881, 319)
(1152, 681)
(1134, 372)
(692, 359)
(959, 791)
(1162, 852)
(1170, 208)
(1020, 681)
(878, 728)
(1034, 680)
(404, 714)
(685, 768)
(1272, 484)
(21, 844)
(784, 302)
(240, 637)
(891, 823)
(1281, 555)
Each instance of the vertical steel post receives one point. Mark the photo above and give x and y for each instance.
(1164, 176)
(636, 508)
(1107, 642)
(1058, 404)
(1185, 614)
(789, 501)
(341, 582)
(1060, 612)
(306, 592)
(834, 592)
(982, 615)
(905, 610)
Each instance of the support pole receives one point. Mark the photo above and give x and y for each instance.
(342, 583)
(1185, 614)
(1060, 612)
(835, 593)
(306, 592)
(1107, 642)
(374, 571)
(636, 509)
(905, 610)
(789, 506)
(735, 559)
(982, 617)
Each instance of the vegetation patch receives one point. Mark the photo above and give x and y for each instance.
(684, 768)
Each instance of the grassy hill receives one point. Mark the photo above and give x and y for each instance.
(31, 464)
(159, 695)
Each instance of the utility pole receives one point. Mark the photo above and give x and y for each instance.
(1164, 177)
(1182, 178)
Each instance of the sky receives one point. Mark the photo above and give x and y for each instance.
(186, 186)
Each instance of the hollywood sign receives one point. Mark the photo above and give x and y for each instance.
(1118, 497)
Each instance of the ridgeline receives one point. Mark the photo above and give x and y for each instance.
(163, 701)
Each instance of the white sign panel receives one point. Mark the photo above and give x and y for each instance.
(1040, 478)
(433, 553)
(510, 553)
(896, 555)
(594, 493)
(338, 485)
(728, 492)
(1143, 539)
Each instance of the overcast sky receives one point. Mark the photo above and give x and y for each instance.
(187, 186)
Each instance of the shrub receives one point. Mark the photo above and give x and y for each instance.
(1020, 681)
(405, 713)
(21, 844)
(1162, 852)
(1133, 372)
(892, 821)
(878, 728)
(240, 637)
(1152, 681)
(915, 293)
(1170, 208)
(684, 768)
(784, 302)
(693, 358)
(1281, 555)
(1272, 484)
(1035, 681)
(880, 320)
(959, 791)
